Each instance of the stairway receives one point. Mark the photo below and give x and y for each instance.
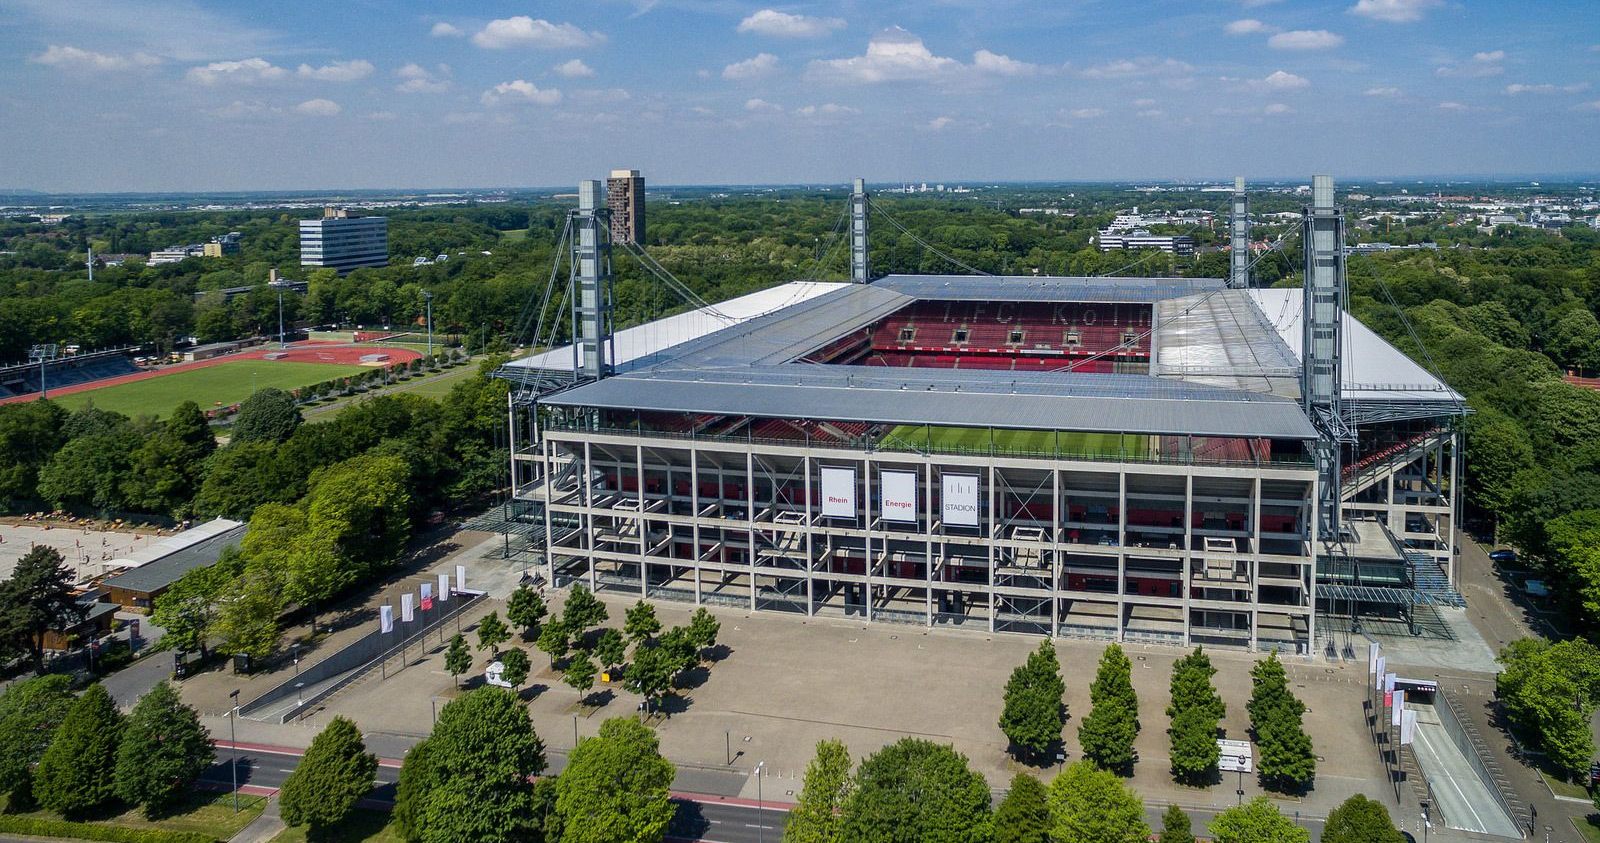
(1426, 577)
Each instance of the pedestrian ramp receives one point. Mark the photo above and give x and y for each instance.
(1463, 798)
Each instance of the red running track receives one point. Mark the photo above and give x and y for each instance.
(308, 351)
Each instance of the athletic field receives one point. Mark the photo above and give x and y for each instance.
(977, 439)
(209, 386)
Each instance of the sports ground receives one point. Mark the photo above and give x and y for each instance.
(982, 439)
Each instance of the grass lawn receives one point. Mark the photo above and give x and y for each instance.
(362, 825)
(515, 235)
(224, 383)
(1588, 829)
(1562, 787)
(205, 812)
(438, 386)
(910, 437)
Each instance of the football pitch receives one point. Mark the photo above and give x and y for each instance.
(978, 439)
(210, 387)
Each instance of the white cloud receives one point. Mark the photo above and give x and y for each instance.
(1393, 11)
(1450, 105)
(1253, 4)
(574, 69)
(416, 79)
(827, 109)
(1546, 88)
(602, 95)
(381, 116)
(1136, 68)
(755, 67)
(523, 31)
(1152, 113)
(445, 30)
(1144, 103)
(783, 25)
(520, 91)
(759, 104)
(985, 61)
(248, 71)
(73, 57)
(893, 55)
(1384, 91)
(1085, 113)
(1246, 26)
(1482, 64)
(339, 71)
(319, 108)
(1305, 39)
(1592, 105)
(940, 122)
(1279, 80)
(1277, 108)
(240, 109)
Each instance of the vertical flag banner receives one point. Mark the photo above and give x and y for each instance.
(461, 578)
(427, 597)
(1377, 674)
(1399, 706)
(1408, 726)
(444, 588)
(386, 618)
(1372, 659)
(407, 607)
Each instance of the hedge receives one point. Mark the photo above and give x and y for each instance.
(94, 831)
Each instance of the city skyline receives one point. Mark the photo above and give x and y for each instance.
(179, 96)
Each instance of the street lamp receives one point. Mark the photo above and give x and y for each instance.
(427, 300)
(233, 741)
(761, 833)
(41, 354)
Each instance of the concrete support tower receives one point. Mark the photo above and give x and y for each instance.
(1322, 233)
(860, 269)
(592, 301)
(1239, 230)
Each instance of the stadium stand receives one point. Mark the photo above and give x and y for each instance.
(23, 378)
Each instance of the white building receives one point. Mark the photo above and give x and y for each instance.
(1172, 244)
(344, 242)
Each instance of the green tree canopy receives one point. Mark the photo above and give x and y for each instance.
(1033, 714)
(1360, 820)
(458, 659)
(1108, 733)
(164, 750)
(334, 774)
(1550, 692)
(473, 781)
(703, 628)
(815, 818)
(268, 415)
(640, 622)
(1195, 711)
(1256, 821)
(36, 598)
(1089, 803)
(1175, 826)
(492, 633)
(1287, 760)
(554, 640)
(615, 787)
(582, 611)
(1024, 813)
(30, 711)
(525, 609)
(610, 648)
(75, 773)
(917, 791)
(514, 667)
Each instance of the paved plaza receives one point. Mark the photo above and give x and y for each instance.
(85, 549)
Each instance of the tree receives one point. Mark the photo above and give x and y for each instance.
(815, 818)
(1033, 715)
(917, 791)
(332, 776)
(650, 674)
(580, 674)
(268, 415)
(703, 629)
(610, 649)
(1024, 813)
(359, 510)
(1195, 711)
(30, 433)
(1549, 692)
(418, 777)
(615, 787)
(1287, 761)
(74, 774)
(1256, 821)
(582, 611)
(89, 470)
(678, 649)
(30, 712)
(473, 781)
(164, 750)
(1175, 826)
(247, 621)
(1089, 803)
(1360, 820)
(243, 476)
(514, 667)
(525, 610)
(189, 608)
(554, 640)
(1108, 732)
(640, 622)
(38, 597)
(458, 659)
(492, 633)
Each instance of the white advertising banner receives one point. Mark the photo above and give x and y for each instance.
(408, 607)
(386, 618)
(1408, 727)
(1398, 711)
(839, 492)
(960, 500)
(1378, 673)
(1372, 658)
(461, 578)
(899, 495)
(444, 588)
(427, 597)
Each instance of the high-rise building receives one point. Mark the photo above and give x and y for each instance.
(343, 241)
(625, 200)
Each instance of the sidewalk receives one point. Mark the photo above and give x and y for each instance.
(264, 828)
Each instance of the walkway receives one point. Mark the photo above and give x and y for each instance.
(1463, 798)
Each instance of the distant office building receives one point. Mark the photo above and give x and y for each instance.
(343, 241)
(227, 244)
(173, 254)
(1172, 244)
(625, 200)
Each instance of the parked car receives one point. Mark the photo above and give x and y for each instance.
(1504, 554)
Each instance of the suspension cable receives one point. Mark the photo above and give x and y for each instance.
(873, 204)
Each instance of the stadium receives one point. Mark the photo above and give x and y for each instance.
(1132, 459)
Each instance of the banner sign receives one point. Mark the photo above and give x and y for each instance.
(461, 578)
(1377, 674)
(1408, 726)
(1372, 659)
(1399, 708)
(839, 492)
(386, 618)
(427, 597)
(444, 588)
(899, 496)
(407, 607)
(960, 500)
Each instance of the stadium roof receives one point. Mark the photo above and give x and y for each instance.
(171, 561)
(1224, 363)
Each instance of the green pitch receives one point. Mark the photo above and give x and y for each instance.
(210, 387)
(913, 437)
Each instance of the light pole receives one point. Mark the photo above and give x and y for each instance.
(427, 301)
(233, 741)
(41, 354)
(761, 833)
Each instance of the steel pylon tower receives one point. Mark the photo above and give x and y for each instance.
(860, 269)
(1239, 237)
(1325, 300)
(592, 302)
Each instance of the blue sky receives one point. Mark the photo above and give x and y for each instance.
(182, 95)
